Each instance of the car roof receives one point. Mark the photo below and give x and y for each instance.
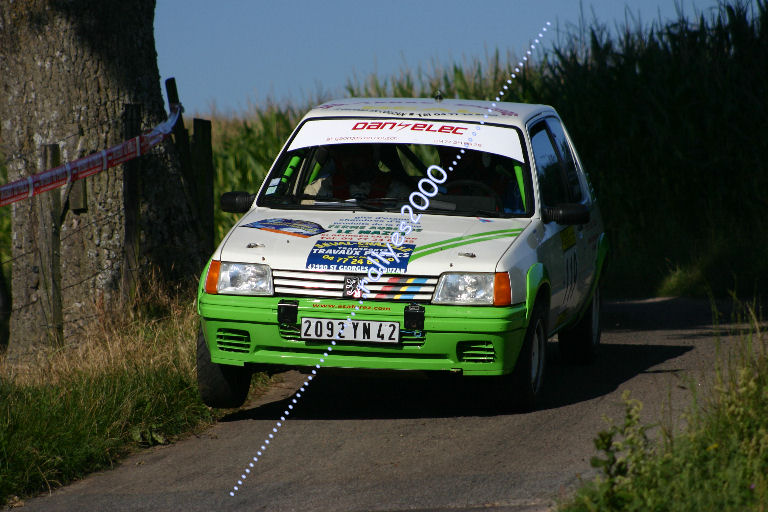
(513, 114)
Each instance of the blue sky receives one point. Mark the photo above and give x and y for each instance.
(233, 53)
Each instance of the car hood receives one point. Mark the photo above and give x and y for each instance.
(344, 241)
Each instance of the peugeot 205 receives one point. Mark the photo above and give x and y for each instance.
(408, 234)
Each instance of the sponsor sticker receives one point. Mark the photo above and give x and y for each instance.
(294, 227)
(567, 238)
(358, 257)
(492, 139)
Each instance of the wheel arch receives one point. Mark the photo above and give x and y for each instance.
(201, 285)
(537, 288)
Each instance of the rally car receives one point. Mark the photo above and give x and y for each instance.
(408, 234)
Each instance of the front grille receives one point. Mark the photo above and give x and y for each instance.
(331, 285)
(475, 352)
(412, 338)
(292, 332)
(233, 340)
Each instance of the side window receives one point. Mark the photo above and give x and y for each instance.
(548, 167)
(571, 175)
(285, 173)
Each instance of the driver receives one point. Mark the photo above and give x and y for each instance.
(476, 168)
(353, 174)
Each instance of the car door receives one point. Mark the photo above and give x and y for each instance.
(586, 235)
(556, 248)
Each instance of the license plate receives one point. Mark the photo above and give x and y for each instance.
(356, 330)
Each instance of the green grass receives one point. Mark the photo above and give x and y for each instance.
(129, 383)
(719, 461)
(56, 434)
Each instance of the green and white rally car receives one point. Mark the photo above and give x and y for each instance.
(408, 234)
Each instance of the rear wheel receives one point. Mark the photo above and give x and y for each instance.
(580, 343)
(221, 385)
(522, 388)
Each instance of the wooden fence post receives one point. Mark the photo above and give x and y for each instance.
(131, 173)
(5, 311)
(197, 169)
(49, 247)
(181, 137)
(202, 165)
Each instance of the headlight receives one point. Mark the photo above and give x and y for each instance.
(473, 289)
(239, 278)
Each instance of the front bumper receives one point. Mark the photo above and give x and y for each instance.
(475, 340)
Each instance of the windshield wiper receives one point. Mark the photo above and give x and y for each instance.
(478, 213)
(381, 203)
(363, 203)
(310, 201)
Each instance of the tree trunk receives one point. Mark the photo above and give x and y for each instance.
(67, 69)
(5, 311)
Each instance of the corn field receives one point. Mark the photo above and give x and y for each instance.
(670, 123)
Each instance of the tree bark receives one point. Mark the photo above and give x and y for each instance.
(5, 312)
(67, 68)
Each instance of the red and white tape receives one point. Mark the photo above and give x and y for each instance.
(88, 166)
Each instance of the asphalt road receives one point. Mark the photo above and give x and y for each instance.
(391, 443)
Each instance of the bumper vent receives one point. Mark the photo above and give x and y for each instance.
(475, 352)
(233, 340)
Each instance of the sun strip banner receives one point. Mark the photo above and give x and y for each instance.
(69, 172)
(492, 139)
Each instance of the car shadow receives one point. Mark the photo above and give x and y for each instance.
(664, 313)
(617, 363)
(391, 395)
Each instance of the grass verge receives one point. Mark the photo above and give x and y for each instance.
(719, 461)
(129, 383)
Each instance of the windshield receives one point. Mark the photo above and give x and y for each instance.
(379, 168)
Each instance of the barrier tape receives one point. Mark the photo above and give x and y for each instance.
(95, 163)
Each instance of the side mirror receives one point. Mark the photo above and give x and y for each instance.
(236, 202)
(567, 214)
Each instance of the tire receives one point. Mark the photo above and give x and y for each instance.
(522, 389)
(581, 343)
(221, 386)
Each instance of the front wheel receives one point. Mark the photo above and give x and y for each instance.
(580, 343)
(522, 389)
(221, 386)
